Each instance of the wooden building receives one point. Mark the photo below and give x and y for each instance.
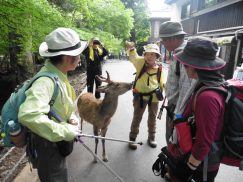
(221, 20)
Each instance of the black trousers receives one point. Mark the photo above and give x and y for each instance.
(91, 73)
(51, 166)
(198, 176)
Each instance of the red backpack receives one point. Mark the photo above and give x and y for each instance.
(228, 150)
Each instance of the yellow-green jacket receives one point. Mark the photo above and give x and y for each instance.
(142, 85)
(33, 112)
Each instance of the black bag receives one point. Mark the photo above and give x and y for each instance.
(65, 147)
(159, 94)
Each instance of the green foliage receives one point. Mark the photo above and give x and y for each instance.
(141, 31)
(31, 20)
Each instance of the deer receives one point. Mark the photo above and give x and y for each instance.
(99, 112)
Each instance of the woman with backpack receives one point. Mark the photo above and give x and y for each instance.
(51, 138)
(147, 90)
(207, 107)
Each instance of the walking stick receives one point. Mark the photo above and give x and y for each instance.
(161, 109)
(100, 160)
(112, 139)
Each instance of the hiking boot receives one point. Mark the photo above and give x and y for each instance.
(152, 143)
(133, 146)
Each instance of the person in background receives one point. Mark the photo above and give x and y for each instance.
(200, 61)
(148, 87)
(63, 48)
(94, 55)
(177, 84)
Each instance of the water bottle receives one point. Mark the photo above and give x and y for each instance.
(17, 135)
(14, 128)
(183, 132)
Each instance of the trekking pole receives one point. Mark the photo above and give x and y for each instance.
(161, 109)
(100, 160)
(112, 139)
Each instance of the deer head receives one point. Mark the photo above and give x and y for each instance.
(114, 88)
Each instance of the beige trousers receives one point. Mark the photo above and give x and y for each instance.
(137, 117)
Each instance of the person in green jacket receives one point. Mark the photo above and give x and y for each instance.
(147, 90)
(63, 48)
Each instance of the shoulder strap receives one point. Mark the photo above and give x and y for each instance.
(203, 88)
(55, 80)
(139, 75)
(141, 72)
(159, 73)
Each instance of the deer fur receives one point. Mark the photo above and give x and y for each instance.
(99, 112)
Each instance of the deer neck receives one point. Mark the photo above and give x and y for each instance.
(109, 104)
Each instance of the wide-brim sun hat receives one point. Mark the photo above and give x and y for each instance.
(62, 41)
(152, 48)
(200, 53)
(170, 29)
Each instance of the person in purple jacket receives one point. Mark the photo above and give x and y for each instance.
(199, 59)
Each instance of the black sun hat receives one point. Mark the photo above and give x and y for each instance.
(200, 53)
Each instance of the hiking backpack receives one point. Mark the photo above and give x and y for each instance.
(230, 145)
(10, 109)
(228, 150)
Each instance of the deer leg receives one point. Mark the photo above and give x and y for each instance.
(96, 133)
(103, 133)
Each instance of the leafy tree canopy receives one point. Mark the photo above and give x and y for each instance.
(32, 20)
(141, 31)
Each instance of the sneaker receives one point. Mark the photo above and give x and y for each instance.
(152, 143)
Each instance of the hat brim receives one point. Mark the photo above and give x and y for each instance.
(172, 34)
(200, 63)
(152, 50)
(43, 50)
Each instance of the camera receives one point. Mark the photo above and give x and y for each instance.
(96, 42)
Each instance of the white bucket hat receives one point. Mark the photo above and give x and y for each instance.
(152, 48)
(62, 41)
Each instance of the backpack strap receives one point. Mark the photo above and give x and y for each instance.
(203, 88)
(55, 80)
(159, 73)
(139, 75)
